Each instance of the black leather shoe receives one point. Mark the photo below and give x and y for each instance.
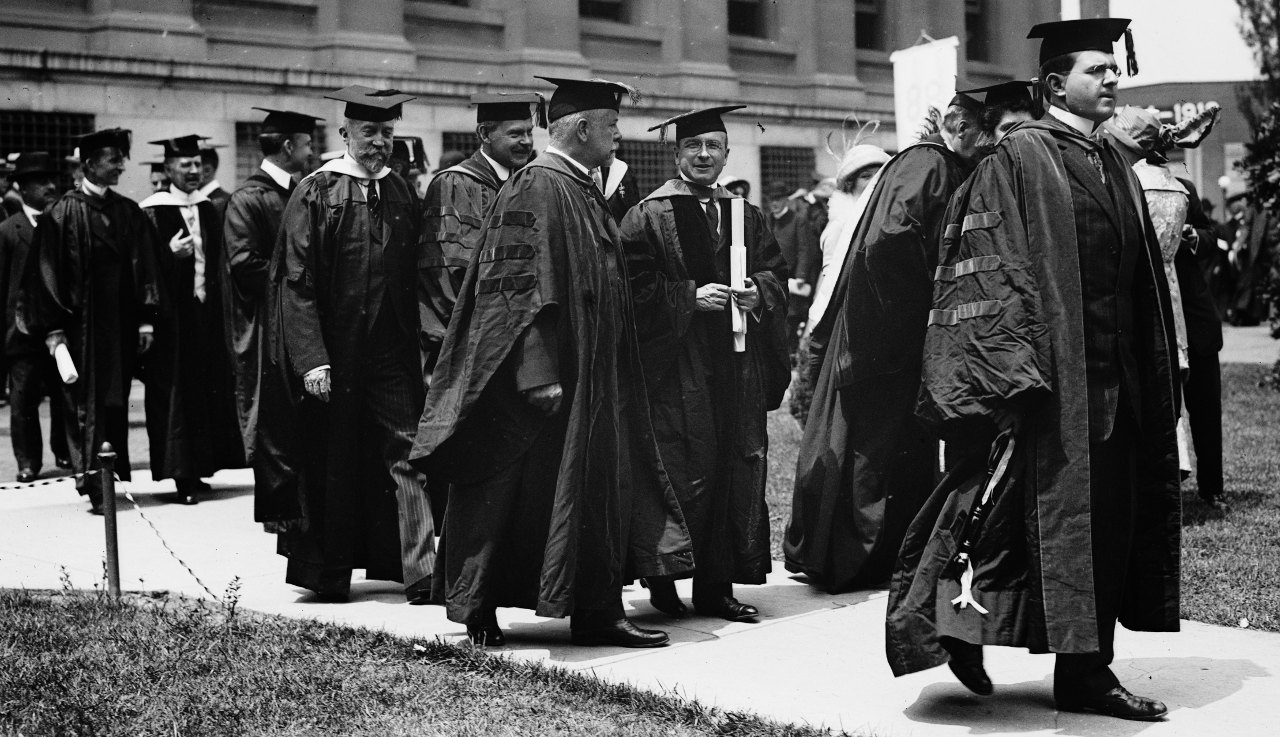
(184, 497)
(1118, 703)
(483, 629)
(63, 463)
(621, 633)
(966, 664)
(727, 607)
(663, 597)
(26, 476)
(332, 597)
(419, 593)
(95, 508)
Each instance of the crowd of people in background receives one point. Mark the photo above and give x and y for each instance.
(989, 338)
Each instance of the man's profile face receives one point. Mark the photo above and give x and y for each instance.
(1091, 86)
(1010, 119)
(105, 167)
(159, 181)
(208, 170)
(510, 142)
(301, 152)
(603, 138)
(701, 158)
(185, 172)
(369, 143)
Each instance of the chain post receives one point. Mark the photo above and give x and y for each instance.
(107, 458)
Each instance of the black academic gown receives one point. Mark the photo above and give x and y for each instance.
(866, 464)
(709, 404)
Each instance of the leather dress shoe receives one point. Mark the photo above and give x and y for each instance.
(1117, 702)
(63, 463)
(95, 508)
(420, 593)
(727, 607)
(332, 597)
(26, 476)
(663, 597)
(621, 633)
(966, 665)
(184, 497)
(483, 629)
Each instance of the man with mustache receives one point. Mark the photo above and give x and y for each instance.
(190, 404)
(345, 277)
(1051, 323)
(93, 287)
(31, 369)
(865, 463)
(460, 197)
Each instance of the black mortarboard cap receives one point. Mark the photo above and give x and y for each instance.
(1003, 93)
(90, 143)
(965, 100)
(410, 149)
(180, 147)
(576, 95)
(366, 103)
(696, 122)
(1085, 34)
(287, 122)
(157, 167)
(510, 106)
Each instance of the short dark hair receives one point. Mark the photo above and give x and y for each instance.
(1060, 65)
(992, 114)
(271, 143)
(209, 156)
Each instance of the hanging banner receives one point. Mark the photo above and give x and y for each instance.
(923, 75)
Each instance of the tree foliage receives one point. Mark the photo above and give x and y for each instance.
(1260, 101)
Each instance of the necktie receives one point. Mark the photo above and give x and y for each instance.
(713, 219)
(372, 197)
(191, 216)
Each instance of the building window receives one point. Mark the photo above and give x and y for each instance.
(977, 44)
(614, 10)
(792, 165)
(746, 18)
(868, 30)
(651, 162)
(249, 153)
(23, 131)
(463, 141)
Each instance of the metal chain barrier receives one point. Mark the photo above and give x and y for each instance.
(138, 508)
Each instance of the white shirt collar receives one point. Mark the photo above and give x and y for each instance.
(89, 187)
(503, 172)
(211, 186)
(32, 213)
(570, 159)
(278, 175)
(1085, 126)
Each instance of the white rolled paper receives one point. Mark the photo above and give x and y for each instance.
(66, 367)
(738, 269)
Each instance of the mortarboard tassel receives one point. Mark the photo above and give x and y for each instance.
(1131, 58)
(540, 111)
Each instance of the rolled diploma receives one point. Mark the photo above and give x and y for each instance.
(66, 367)
(737, 270)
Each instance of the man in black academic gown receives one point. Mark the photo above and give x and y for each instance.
(538, 410)
(1051, 322)
(345, 273)
(866, 463)
(93, 287)
(31, 370)
(190, 402)
(708, 401)
(250, 226)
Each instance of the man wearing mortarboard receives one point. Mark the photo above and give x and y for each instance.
(1051, 323)
(866, 463)
(460, 197)
(92, 285)
(708, 402)
(538, 408)
(209, 185)
(345, 272)
(1005, 105)
(30, 369)
(158, 176)
(190, 401)
(250, 225)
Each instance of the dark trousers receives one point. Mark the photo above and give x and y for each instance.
(30, 378)
(1202, 397)
(1113, 466)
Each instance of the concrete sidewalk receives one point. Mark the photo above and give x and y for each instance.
(812, 658)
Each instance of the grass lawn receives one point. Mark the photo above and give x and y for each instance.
(74, 663)
(1230, 557)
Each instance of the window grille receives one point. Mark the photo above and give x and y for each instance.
(464, 141)
(22, 131)
(792, 165)
(651, 162)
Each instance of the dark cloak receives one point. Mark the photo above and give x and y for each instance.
(708, 403)
(190, 399)
(250, 225)
(92, 273)
(551, 243)
(1034, 567)
(866, 464)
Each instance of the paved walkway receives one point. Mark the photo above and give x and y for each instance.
(812, 658)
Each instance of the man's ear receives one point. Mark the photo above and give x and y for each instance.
(481, 134)
(343, 132)
(584, 130)
(1056, 84)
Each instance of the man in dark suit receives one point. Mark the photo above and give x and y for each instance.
(31, 369)
(1202, 391)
